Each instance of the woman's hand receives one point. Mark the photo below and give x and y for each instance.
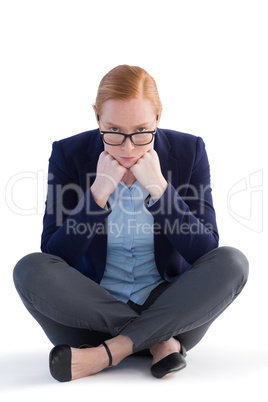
(148, 172)
(109, 175)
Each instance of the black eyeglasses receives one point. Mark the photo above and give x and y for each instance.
(115, 139)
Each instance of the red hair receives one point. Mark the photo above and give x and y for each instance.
(125, 82)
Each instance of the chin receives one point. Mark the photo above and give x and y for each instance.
(127, 164)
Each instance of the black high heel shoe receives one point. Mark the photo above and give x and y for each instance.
(170, 364)
(60, 361)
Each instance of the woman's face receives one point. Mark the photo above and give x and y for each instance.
(134, 115)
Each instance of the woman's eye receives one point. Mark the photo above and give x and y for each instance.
(141, 129)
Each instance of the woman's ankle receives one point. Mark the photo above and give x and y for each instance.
(164, 348)
(120, 347)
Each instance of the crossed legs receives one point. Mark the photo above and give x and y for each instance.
(72, 309)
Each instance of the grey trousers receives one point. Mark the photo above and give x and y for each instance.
(72, 309)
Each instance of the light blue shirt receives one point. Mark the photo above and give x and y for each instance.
(130, 272)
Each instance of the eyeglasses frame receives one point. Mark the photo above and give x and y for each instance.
(130, 136)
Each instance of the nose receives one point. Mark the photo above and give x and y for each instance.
(128, 146)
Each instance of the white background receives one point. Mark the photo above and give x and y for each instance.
(209, 59)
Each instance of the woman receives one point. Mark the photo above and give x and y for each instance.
(130, 261)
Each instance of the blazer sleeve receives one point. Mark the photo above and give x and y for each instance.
(186, 215)
(71, 217)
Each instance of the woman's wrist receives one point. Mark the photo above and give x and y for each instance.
(158, 190)
(99, 196)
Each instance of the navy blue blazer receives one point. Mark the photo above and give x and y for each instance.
(74, 226)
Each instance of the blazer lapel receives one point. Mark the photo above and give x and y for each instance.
(94, 149)
(98, 247)
(169, 165)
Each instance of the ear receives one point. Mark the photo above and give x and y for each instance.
(96, 114)
(159, 116)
